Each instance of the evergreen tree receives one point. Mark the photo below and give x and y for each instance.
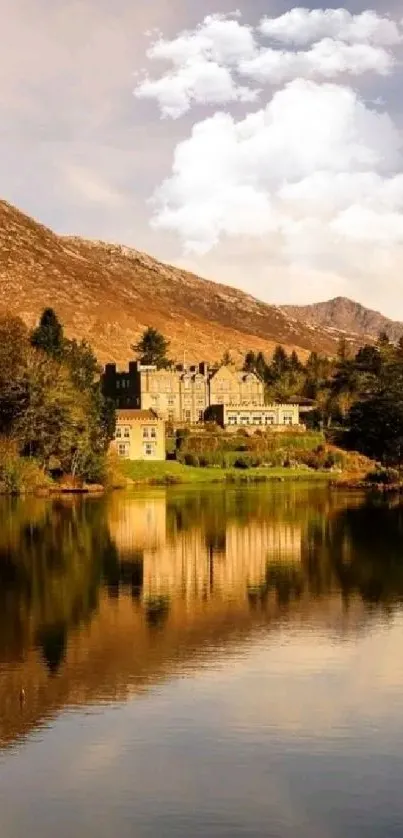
(295, 363)
(226, 360)
(249, 362)
(48, 336)
(261, 366)
(280, 363)
(152, 349)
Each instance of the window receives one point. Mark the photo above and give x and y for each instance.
(118, 433)
(257, 419)
(171, 401)
(153, 433)
(188, 415)
(124, 449)
(287, 420)
(201, 415)
(145, 433)
(171, 415)
(232, 419)
(149, 449)
(270, 419)
(117, 384)
(126, 433)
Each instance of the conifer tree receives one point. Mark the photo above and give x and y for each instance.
(49, 336)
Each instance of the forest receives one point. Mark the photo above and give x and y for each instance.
(54, 419)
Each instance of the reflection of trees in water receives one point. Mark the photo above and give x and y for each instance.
(55, 556)
(50, 572)
(53, 643)
(283, 580)
(214, 508)
(358, 551)
(156, 611)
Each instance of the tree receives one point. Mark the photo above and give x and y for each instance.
(368, 359)
(249, 362)
(343, 350)
(152, 349)
(295, 363)
(82, 363)
(280, 363)
(49, 336)
(383, 340)
(226, 360)
(376, 426)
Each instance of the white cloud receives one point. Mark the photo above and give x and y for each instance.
(315, 169)
(326, 59)
(197, 82)
(302, 26)
(208, 61)
(219, 38)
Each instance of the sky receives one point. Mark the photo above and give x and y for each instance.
(256, 143)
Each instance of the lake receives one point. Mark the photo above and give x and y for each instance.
(202, 662)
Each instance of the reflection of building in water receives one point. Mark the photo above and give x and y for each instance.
(137, 523)
(202, 561)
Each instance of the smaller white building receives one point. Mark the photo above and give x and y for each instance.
(271, 415)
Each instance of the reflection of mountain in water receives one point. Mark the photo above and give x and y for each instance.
(106, 596)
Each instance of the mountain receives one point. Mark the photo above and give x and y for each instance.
(344, 315)
(109, 294)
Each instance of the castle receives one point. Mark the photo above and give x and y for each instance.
(181, 394)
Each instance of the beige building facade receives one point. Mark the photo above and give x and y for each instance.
(181, 394)
(139, 435)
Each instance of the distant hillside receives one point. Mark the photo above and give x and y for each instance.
(109, 294)
(346, 316)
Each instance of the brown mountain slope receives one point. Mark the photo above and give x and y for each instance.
(345, 315)
(109, 294)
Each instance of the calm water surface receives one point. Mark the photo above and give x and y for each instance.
(202, 663)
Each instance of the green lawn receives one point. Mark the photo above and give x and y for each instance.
(165, 473)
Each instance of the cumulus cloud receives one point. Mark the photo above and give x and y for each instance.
(326, 59)
(315, 168)
(199, 82)
(302, 26)
(209, 63)
(219, 38)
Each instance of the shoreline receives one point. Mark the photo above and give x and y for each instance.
(137, 474)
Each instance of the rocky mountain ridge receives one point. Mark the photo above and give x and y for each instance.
(347, 316)
(109, 294)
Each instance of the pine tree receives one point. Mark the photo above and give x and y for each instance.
(49, 336)
(152, 349)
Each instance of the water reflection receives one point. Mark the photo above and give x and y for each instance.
(102, 597)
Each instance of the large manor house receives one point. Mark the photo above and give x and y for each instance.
(195, 394)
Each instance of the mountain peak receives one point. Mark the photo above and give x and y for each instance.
(108, 294)
(346, 316)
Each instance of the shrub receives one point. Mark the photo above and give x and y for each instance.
(191, 460)
(384, 476)
(242, 462)
(19, 474)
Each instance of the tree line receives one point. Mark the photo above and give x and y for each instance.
(51, 404)
(360, 394)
